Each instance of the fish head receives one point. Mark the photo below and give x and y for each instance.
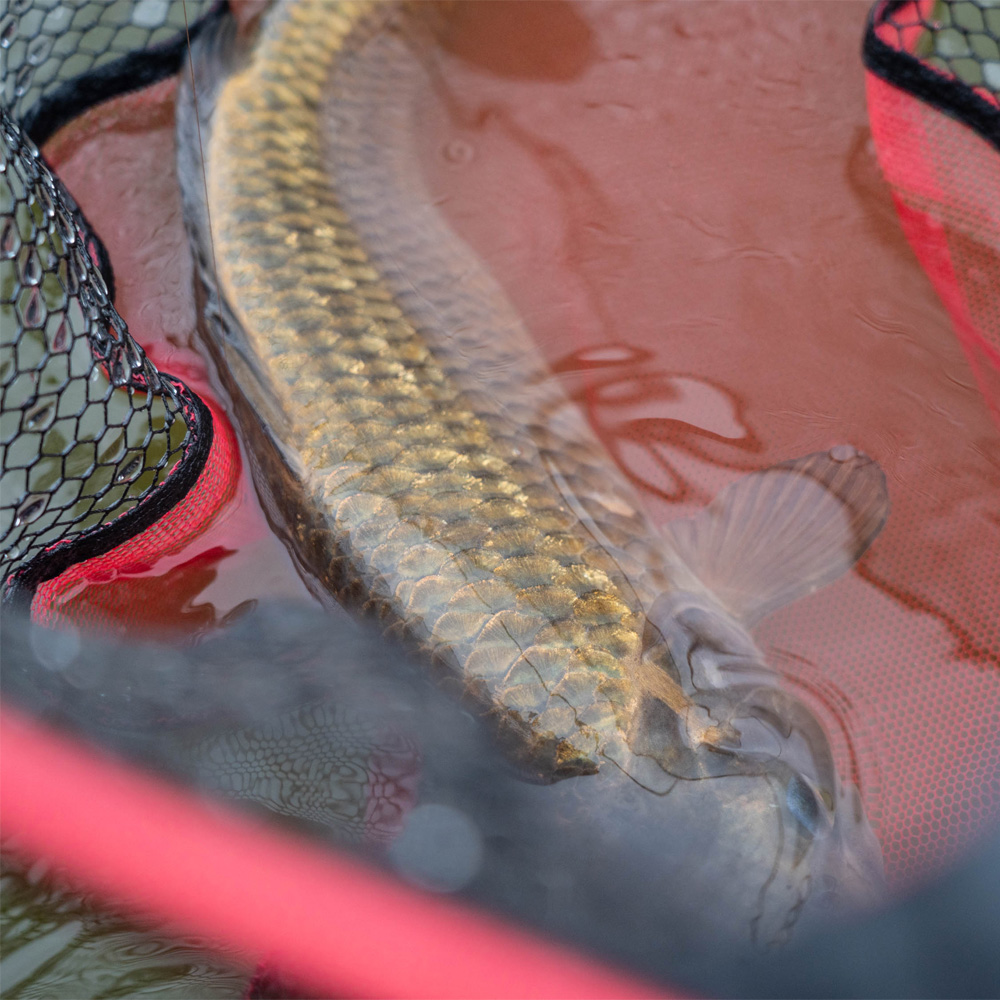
(819, 856)
(792, 836)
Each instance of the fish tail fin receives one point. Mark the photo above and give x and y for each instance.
(777, 535)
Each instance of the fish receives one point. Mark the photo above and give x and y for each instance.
(409, 444)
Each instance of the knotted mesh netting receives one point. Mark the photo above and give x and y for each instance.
(90, 432)
(59, 57)
(89, 427)
(934, 106)
(960, 40)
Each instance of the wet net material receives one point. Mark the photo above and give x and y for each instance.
(98, 446)
(934, 104)
(91, 431)
(60, 58)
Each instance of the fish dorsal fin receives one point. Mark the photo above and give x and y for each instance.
(779, 534)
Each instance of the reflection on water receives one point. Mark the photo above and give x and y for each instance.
(58, 945)
(670, 432)
(372, 744)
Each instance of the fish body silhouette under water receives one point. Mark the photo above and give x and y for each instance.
(427, 470)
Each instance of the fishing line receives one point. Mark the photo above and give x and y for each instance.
(201, 148)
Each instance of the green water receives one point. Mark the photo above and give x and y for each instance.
(59, 945)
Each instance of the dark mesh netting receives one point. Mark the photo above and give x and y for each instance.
(61, 55)
(89, 427)
(958, 38)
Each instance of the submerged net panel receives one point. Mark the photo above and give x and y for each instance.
(933, 87)
(934, 104)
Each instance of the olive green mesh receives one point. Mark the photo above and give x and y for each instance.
(87, 426)
(45, 43)
(960, 38)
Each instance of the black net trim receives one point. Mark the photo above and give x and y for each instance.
(20, 588)
(959, 78)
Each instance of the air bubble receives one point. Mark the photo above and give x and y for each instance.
(440, 848)
(458, 152)
(843, 452)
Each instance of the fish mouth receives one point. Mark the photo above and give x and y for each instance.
(827, 861)
(774, 732)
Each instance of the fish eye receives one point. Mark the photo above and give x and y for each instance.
(802, 803)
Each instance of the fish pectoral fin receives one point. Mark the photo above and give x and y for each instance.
(779, 534)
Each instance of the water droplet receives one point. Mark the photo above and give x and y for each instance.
(843, 452)
(41, 415)
(118, 328)
(169, 391)
(80, 263)
(11, 133)
(150, 375)
(130, 471)
(45, 196)
(133, 353)
(458, 152)
(31, 268)
(118, 369)
(100, 289)
(65, 227)
(23, 79)
(10, 238)
(8, 28)
(60, 339)
(99, 339)
(32, 310)
(30, 509)
(39, 49)
(72, 280)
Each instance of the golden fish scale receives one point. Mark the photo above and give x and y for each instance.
(425, 501)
